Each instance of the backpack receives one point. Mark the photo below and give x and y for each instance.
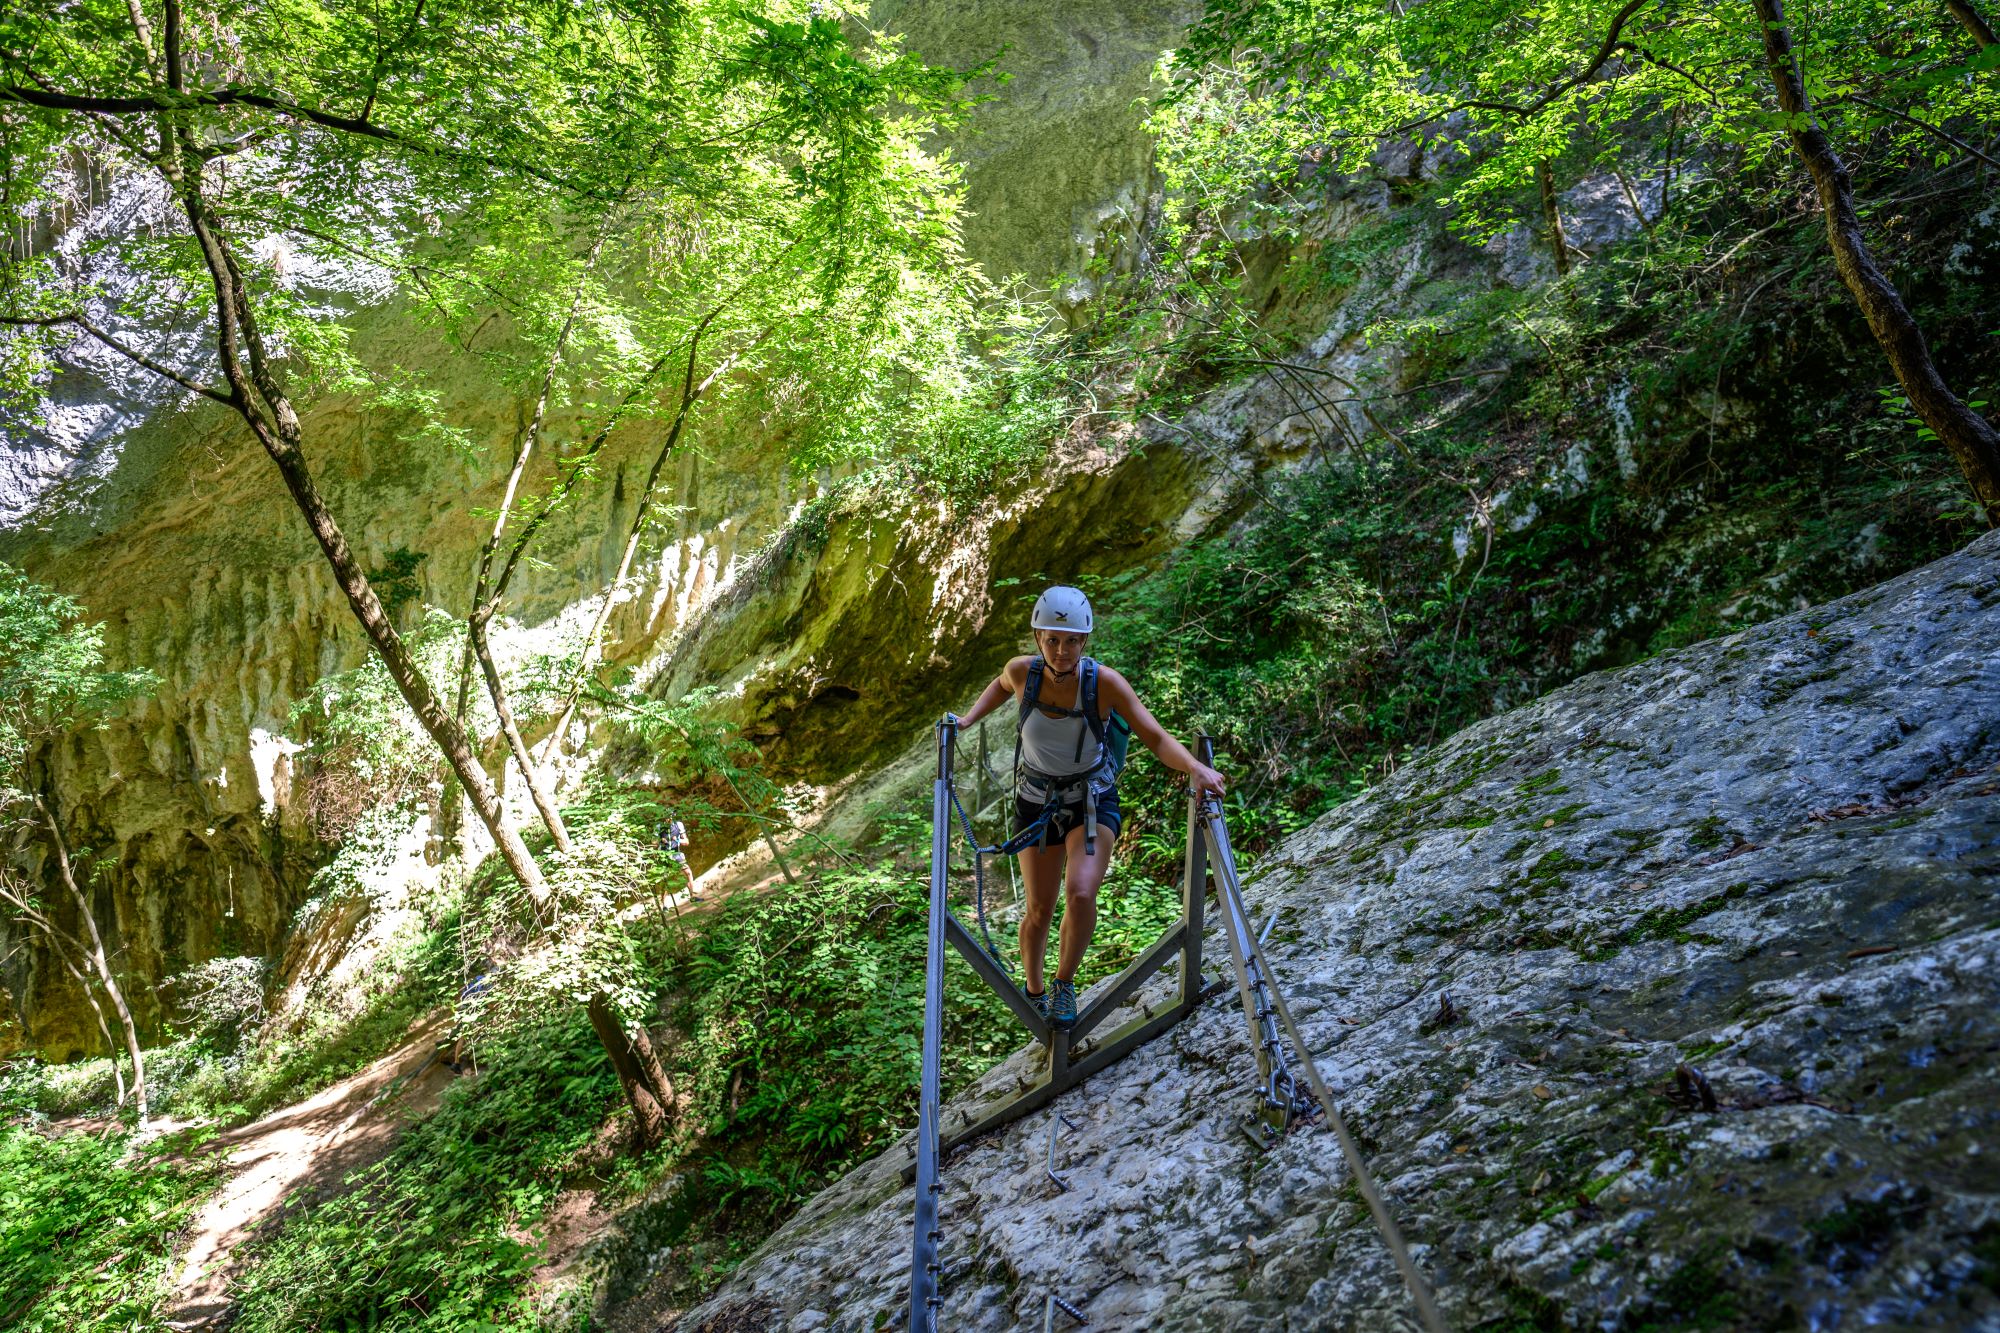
(1113, 736)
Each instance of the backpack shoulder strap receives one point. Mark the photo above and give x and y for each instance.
(1031, 691)
(1087, 697)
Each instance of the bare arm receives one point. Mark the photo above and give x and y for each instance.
(1118, 691)
(1005, 686)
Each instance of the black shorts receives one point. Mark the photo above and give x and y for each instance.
(1067, 817)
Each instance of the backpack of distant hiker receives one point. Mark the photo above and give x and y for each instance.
(1114, 737)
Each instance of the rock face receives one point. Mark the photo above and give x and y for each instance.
(1059, 169)
(1770, 862)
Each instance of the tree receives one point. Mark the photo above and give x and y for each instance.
(428, 142)
(1506, 89)
(598, 175)
(52, 681)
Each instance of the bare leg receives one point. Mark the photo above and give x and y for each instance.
(1086, 873)
(1041, 877)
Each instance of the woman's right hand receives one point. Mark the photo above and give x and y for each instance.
(1206, 780)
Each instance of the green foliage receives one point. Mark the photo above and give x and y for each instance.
(716, 777)
(639, 192)
(1498, 89)
(52, 674)
(87, 1229)
(437, 1236)
(784, 987)
(1363, 610)
(1279, 643)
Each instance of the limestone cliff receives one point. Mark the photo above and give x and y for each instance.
(1770, 858)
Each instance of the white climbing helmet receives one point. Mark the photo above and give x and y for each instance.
(1063, 608)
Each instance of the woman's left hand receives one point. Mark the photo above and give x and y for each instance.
(1206, 780)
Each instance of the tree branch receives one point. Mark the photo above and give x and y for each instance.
(1923, 125)
(1528, 111)
(154, 104)
(150, 104)
(1669, 65)
(131, 354)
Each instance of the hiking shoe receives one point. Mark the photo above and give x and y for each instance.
(1041, 1002)
(1062, 1003)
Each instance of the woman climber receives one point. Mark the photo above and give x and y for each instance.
(1073, 713)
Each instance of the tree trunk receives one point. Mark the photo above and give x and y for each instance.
(103, 1027)
(1971, 20)
(238, 340)
(1972, 440)
(763, 826)
(647, 1088)
(1631, 193)
(496, 689)
(1545, 178)
(59, 947)
(593, 644)
(443, 729)
(486, 593)
(94, 953)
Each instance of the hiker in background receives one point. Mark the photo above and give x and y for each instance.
(673, 842)
(481, 974)
(1076, 715)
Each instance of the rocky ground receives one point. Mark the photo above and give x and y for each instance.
(1720, 931)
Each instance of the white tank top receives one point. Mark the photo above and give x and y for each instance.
(1061, 747)
(1058, 747)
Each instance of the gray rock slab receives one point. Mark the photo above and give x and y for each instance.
(1767, 866)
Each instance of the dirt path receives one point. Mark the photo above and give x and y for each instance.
(307, 1146)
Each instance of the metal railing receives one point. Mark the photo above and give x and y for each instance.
(1285, 1105)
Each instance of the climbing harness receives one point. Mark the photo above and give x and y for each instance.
(1111, 737)
(1285, 1105)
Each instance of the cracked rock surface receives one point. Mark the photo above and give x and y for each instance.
(1720, 932)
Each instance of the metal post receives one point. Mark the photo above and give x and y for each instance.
(1194, 889)
(924, 1266)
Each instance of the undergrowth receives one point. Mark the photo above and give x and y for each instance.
(87, 1228)
(439, 1235)
(1659, 449)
